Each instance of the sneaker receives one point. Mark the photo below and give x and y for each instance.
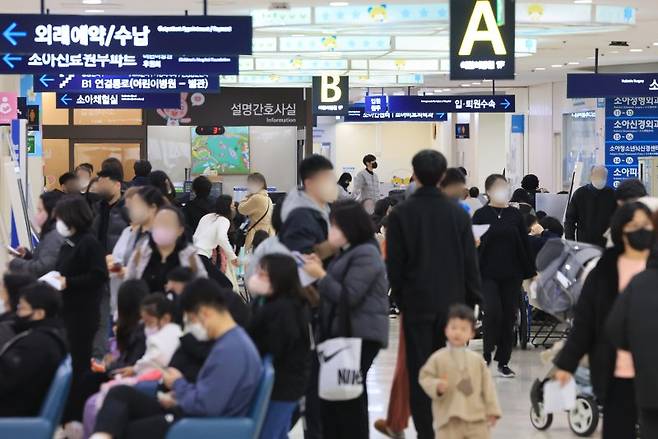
(380, 426)
(506, 372)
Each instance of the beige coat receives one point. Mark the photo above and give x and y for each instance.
(454, 365)
(255, 206)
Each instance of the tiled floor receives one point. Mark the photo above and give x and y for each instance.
(512, 393)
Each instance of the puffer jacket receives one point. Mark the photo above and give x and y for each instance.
(359, 272)
(142, 255)
(43, 259)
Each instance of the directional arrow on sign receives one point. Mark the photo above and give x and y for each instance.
(440, 115)
(8, 59)
(506, 103)
(65, 99)
(44, 79)
(11, 35)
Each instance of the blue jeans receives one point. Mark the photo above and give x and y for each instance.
(277, 421)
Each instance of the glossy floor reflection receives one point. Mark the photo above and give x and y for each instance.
(512, 393)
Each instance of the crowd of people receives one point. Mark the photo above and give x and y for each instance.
(144, 289)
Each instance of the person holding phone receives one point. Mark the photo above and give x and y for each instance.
(44, 257)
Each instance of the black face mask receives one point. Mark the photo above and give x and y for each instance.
(22, 324)
(642, 239)
(374, 165)
(105, 195)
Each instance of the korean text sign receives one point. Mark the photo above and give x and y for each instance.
(125, 35)
(124, 100)
(482, 39)
(441, 104)
(594, 85)
(125, 83)
(631, 132)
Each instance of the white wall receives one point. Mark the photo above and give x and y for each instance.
(491, 142)
(542, 157)
(273, 153)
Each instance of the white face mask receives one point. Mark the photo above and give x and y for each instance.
(258, 286)
(198, 331)
(500, 196)
(3, 308)
(598, 183)
(63, 229)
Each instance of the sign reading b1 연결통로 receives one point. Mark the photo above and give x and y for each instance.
(482, 39)
(125, 35)
(125, 83)
(601, 85)
(116, 100)
(631, 132)
(440, 104)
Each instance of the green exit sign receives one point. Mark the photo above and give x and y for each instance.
(30, 145)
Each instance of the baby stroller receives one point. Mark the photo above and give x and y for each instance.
(563, 267)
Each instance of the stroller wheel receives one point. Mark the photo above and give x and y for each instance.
(584, 418)
(540, 419)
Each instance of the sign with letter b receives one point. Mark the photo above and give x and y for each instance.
(331, 95)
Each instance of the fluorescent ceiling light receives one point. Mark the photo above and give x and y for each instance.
(475, 83)
(466, 85)
(539, 69)
(446, 89)
(92, 2)
(556, 66)
(438, 90)
(616, 51)
(590, 57)
(94, 11)
(338, 4)
(297, 35)
(574, 63)
(583, 2)
(656, 43)
(636, 50)
(486, 80)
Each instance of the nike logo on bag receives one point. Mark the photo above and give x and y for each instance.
(327, 358)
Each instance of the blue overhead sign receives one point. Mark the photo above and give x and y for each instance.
(92, 63)
(601, 85)
(126, 83)
(115, 100)
(125, 35)
(357, 113)
(440, 104)
(631, 132)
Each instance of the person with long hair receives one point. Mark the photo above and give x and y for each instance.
(612, 371)
(161, 181)
(44, 257)
(280, 327)
(212, 233)
(257, 206)
(164, 249)
(505, 261)
(357, 272)
(344, 182)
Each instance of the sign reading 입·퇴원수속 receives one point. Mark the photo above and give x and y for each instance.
(125, 83)
(604, 85)
(331, 95)
(118, 100)
(631, 132)
(235, 106)
(441, 104)
(482, 39)
(125, 34)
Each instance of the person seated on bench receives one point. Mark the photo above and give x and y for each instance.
(225, 386)
(28, 361)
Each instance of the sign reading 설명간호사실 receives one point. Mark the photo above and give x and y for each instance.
(125, 83)
(482, 39)
(331, 95)
(118, 100)
(125, 35)
(631, 132)
(441, 104)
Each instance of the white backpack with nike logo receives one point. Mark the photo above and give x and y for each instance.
(340, 361)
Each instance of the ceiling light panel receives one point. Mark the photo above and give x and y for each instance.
(261, 44)
(553, 13)
(330, 43)
(300, 64)
(442, 43)
(615, 14)
(411, 65)
(381, 13)
(281, 17)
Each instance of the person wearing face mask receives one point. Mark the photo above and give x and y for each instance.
(611, 370)
(505, 261)
(44, 257)
(366, 182)
(10, 291)
(257, 206)
(590, 209)
(84, 172)
(344, 182)
(280, 328)
(28, 361)
(164, 249)
(358, 272)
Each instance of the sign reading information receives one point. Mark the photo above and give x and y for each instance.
(126, 83)
(331, 95)
(440, 104)
(125, 35)
(631, 132)
(482, 39)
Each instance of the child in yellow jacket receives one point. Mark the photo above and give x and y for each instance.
(464, 401)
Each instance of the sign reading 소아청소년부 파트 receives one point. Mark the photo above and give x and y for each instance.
(482, 39)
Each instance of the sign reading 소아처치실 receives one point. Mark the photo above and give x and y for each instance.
(331, 95)
(631, 132)
(118, 100)
(482, 39)
(125, 35)
(125, 83)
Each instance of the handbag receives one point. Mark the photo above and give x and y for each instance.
(243, 231)
(340, 376)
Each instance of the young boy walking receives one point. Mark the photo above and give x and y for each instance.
(464, 401)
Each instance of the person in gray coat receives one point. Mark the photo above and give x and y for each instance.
(359, 273)
(366, 182)
(44, 257)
